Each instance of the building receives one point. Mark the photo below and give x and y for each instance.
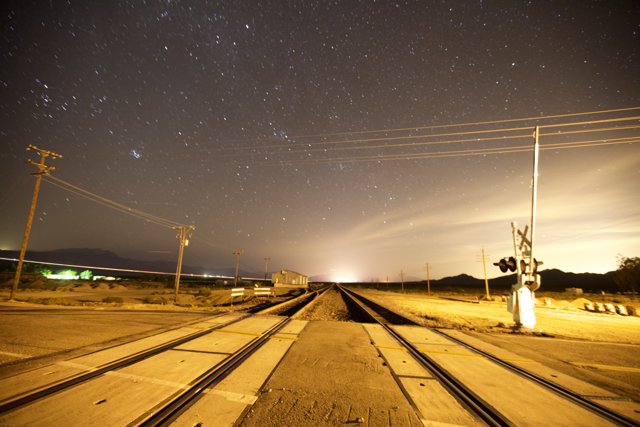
(289, 279)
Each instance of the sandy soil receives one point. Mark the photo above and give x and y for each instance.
(560, 319)
(134, 295)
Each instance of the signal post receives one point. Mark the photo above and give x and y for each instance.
(522, 299)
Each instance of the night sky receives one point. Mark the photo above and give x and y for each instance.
(303, 131)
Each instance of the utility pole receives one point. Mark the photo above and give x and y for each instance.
(486, 281)
(43, 169)
(237, 253)
(402, 280)
(266, 267)
(184, 233)
(534, 201)
(428, 280)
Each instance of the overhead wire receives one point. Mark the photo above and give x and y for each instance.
(442, 142)
(127, 270)
(399, 156)
(423, 127)
(479, 123)
(60, 183)
(306, 146)
(452, 141)
(462, 153)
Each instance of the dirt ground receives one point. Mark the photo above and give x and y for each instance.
(133, 295)
(559, 318)
(600, 349)
(562, 316)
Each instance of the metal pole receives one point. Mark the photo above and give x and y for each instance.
(237, 253)
(42, 170)
(266, 267)
(486, 281)
(516, 252)
(428, 281)
(534, 197)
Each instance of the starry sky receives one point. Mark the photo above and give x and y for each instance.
(308, 131)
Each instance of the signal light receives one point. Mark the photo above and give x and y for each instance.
(534, 265)
(510, 264)
(506, 264)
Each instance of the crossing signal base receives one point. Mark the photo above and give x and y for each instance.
(522, 298)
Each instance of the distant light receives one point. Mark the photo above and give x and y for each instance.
(344, 278)
(63, 275)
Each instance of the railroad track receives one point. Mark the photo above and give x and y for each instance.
(178, 379)
(238, 336)
(477, 402)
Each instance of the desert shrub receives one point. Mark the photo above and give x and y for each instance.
(152, 299)
(204, 292)
(41, 284)
(115, 300)
(50, 301)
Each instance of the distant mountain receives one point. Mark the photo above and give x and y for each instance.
(101, 258)
(551, 280)
(459, 280)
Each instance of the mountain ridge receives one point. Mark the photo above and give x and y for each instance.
(552, 279)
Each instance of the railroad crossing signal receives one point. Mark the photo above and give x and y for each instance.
(510, 264)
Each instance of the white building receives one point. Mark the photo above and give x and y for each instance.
(289, 279)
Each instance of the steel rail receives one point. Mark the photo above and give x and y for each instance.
(465, 395)
(564, 392)
(568, 394)
(182, 402)
(26, 398)
(32, 396)
(50, 389)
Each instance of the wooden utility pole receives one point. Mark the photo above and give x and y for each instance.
(237, 253)
(402, 280)
(184, 233)
(266, 266)
(43, 169)
(486, 281)
(428, 280)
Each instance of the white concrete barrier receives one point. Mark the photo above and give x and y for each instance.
(263, 292)
(236, 292)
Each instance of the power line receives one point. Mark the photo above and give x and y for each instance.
(303, 150)
(306, 147)
(126, 270)
(462, 141)
(462, 153)
(110, 203)
(474, 132)
(479, 123)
